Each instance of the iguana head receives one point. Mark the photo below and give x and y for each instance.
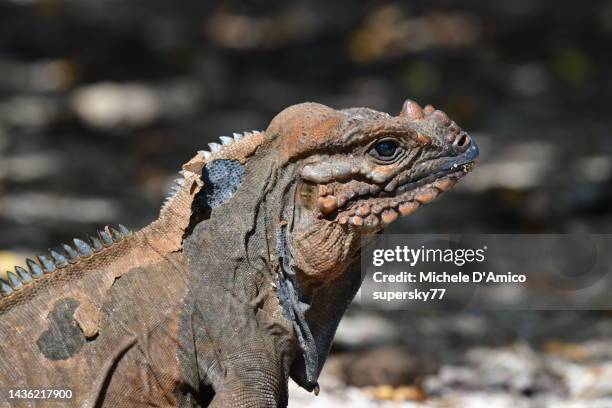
(359, 170)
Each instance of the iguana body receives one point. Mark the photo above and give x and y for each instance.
(242, 280)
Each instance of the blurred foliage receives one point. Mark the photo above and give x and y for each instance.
(100, 102)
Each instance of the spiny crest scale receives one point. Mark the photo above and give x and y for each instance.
(217, 150)
(56, 259)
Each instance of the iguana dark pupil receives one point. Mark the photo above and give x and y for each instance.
(386, 148)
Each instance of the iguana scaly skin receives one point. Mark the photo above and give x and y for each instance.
(243, 278)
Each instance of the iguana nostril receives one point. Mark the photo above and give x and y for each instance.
(462, 142)
(412, 110)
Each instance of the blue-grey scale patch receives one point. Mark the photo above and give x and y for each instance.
(64, 337)
(294, 308)
(221, 180)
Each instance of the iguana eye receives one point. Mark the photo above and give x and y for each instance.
(385, 150)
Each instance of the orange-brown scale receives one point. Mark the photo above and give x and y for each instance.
(373, 211)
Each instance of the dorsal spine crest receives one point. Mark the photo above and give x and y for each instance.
(238, 147)
(23, 277)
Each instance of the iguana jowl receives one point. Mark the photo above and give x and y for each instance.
(243, 278)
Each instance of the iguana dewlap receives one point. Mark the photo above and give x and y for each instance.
(243, 278)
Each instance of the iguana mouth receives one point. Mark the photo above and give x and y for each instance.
(373, 207)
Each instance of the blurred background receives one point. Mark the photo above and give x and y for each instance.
(102, 101)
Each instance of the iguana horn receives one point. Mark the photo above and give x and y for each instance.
(412, 110)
